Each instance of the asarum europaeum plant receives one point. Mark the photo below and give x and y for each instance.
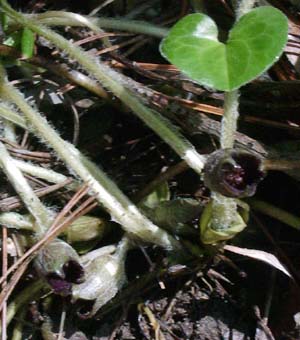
(254, 43)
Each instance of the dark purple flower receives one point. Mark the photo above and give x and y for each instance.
(233, 173)
(59, 264)
(60, 286)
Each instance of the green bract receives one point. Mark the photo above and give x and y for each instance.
(254, 43)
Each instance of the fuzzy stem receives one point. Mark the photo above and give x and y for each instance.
(111, 80)
(17, 221)
(224, 209)
(20, 184)
(231, 98)
(32, 169)
(12, 116)
(43, 173)
(108, 194)
(55, 18)
(243, 7)
(229, 120)
(9, 131)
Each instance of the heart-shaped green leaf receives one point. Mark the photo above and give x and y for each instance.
(254, 44)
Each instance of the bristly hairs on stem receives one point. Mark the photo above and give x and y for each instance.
(110, 79)
(106, 191)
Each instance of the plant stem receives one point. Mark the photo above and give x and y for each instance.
(229, 120)
(20, 184)
(17, 221)
(108, 194)
(111, 80)
(275, 212)
(45, 174)
(224, 209)
(243, 7)
(9, 131)
(231, 98)
(12, 116)
(55, 18)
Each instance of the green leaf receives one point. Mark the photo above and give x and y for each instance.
(173, 215)
(254, 44)
(160, 194)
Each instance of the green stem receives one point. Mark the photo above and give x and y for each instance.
(42, 173)
(17, 221)
(20, 184)
(231, 99)
(111, 80)
(275, 212)
(229, 120)
(108, 194)
(198, 6)
(58, 18)
(12, 116)
(9, 131)
(223, 212)
(224, 209)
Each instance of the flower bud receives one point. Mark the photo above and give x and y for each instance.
(233, 173)
(59, 264)
(221, 221)
(86, 228)
(105, 275)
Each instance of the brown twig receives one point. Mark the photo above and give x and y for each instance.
(13, 202)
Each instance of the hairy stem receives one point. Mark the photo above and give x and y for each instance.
(57, 18)
(224, 209)
(20, 184)
(229, 120)
(243, 7)
(112, 81)
(13, 117)
(108, 194)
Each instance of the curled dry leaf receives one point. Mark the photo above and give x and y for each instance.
(259, 255)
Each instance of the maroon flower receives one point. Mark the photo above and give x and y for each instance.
(233, 173)
(59, 264)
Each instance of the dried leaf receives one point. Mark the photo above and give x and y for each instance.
(259, 255)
